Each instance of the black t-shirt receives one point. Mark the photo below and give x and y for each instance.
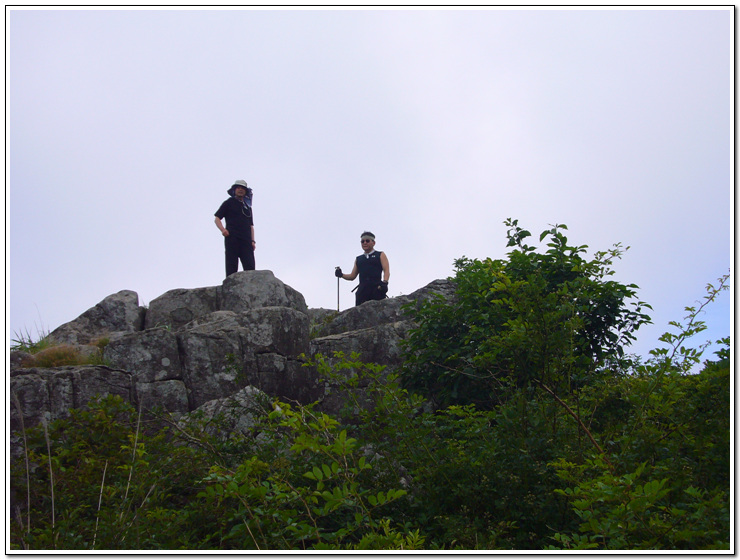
(238, 216)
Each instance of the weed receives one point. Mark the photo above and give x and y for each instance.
(24, 342)
(63, 355)
(101, 342)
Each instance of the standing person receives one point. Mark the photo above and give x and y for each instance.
(238, 234)
(372, 265)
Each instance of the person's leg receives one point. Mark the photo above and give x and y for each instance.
(246, 254)
(231, 255)
(362, 295)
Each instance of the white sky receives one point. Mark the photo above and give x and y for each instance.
(125, 128)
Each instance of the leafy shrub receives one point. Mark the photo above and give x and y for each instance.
(475, 479)
(317, 495)
(98, 481)
(551, 319)
(671, 442)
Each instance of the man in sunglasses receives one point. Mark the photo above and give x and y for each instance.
(373, 269)
(238, 234)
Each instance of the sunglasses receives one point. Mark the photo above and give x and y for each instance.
(366, 240)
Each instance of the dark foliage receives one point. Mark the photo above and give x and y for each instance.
(550, 318)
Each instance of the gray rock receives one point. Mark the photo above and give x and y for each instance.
(29, 398)
(287, 378)
(18, 358)
(220, 356)
(250, 334)
(53, 391)
(250, 289)
(119, 312)
(369, 314)
(214, 364)
(176, 308)
(150, 355)
(321, 315)
(169, 395)
(228, 416)
(227, 319)
(390, 310)
(319, 319)
(379, 345)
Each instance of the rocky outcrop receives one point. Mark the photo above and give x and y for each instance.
(177, 308)
(375, 313)
(118, 313)
(241, 292)
(229, 416)
(260, 347)
(194, 347)
(374, 331)
(52, 392)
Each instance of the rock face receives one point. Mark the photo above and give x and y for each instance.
(177, 308)
(50, 393)
(117, 313)
(373, 330)
(241, 292)
(194, 348)
(235, 413)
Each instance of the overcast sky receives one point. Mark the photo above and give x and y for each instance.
(125, 128)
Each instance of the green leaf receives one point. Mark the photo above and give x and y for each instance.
(317, 473)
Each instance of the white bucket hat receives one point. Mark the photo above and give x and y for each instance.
(238, 183)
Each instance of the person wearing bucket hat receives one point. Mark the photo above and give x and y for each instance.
(374, 271)
(238, 234)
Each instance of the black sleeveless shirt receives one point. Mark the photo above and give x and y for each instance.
(370, 267)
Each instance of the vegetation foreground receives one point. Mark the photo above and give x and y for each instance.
(517, 422)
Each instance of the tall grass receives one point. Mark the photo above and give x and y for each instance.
(28, 469)
(24, 341)
(46, 353)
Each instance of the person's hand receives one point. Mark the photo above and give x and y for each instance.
(383, 287)
(254, 244)
(225, 233)
(338, 272)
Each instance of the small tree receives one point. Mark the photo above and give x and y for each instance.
(551, 319)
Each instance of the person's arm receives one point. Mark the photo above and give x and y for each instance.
(221, 228)
(352, 275)
(254, 243)
(386, 267)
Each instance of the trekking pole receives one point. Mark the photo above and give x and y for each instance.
(337, 268)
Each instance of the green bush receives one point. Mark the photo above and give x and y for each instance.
(664, 482)
(551, 318)
(98, 481)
